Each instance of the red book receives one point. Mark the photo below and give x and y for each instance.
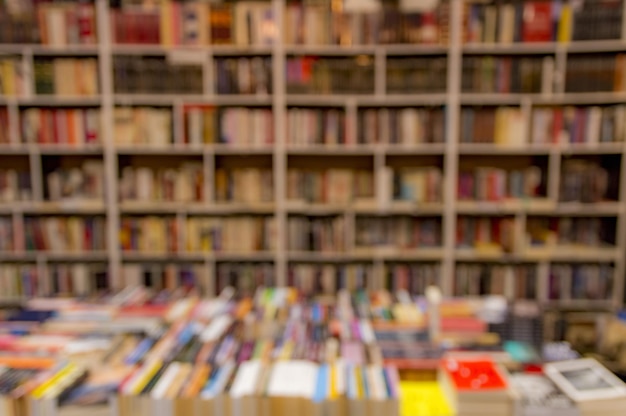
(537, 25)
(87, 23)
(475, 375)
(557, 124)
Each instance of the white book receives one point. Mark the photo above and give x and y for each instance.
(56, 25)
(80, 279)
(194, 126)
(144, 184)
(547, 76)
(293, 379)
(507, 24)
(246, 379)
(594, 122)
(159, 390)
(408, 126)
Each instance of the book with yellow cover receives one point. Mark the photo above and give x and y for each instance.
(423, 398)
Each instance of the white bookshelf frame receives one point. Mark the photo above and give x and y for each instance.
(451, 152)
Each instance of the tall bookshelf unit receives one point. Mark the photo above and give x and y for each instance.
(439, 247)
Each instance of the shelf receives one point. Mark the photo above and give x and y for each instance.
(502, 149)
(86, 256)
(320, 208)
(571, 254)
(548, 99)
(317, 257)
(511, 48)
(170, 99)
(64, 207)
(505, 207)
(403, 208)
(128, 256)
(585, 209)
(488, 255)
(591, 149)
(52, 101)
(23, 257)
(391, 254)
(340, 50)
(194, 208)
(579, 304)
(368, 99)
(58, 149)
(38, 49)
(331, 150)
(159, 150)
(414, 149)
(14, 149)
(226, 149)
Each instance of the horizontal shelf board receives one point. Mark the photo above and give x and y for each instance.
(504, 207)
(331, 150)
(18, 257)
(14, 150)
(315, 257)
(615, 45)
(224, 149)
(319, 208)
(403, 208)
(414, 149)
(159, 150)
(140, 207)
(592, 209)
(341, 50)
(470, 254)
(586, 304)
(416, 99)
(571, 254)
(218, 50)
(170, 99)
(52, 100)
(501, 149)
(547, 99)
(67, 150)
(591, 149)
(63, 207)
(382, 253)
(38, 49)
(129, 256)
(87, 256)
(510, 48)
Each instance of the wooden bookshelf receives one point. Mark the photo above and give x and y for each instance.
(381, 159)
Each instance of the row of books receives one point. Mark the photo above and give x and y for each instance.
(18, 281)
(316, 126)
(67, 127)
(7, 242)
(148, 126)
(244, 185)
(5, 135)
(245, 75)
(419, 184)
(500, 126)
(194, 23)
(244, 234)
(413, 278)
(321, 23)
(508, 74)
(80, 183)
(246, 277)
(536, 21)
(184, 183)
(409, 75)
(334, 186)
(15, 185)
(64, 234)
(330, 75)
(168, 276)
(581, 282)
(54, 24)
(149, 234)
(587, 181)
(494, 184)
(155, 75)
(13, 82)
(401, 233)
(319, 234)
(589, 125)
(479, 233)
(407, 126)
(66, 77)
(328, 279)
(492, 279)
(235, 126)
(595, 73)
(571, 231)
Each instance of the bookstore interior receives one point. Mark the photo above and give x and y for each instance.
(312, 207)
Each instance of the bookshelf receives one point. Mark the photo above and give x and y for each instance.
(296, 119)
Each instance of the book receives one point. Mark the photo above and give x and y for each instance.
(64, 235)
(404, 126)
(66, 77)
(328, 278)
(407, 75)
(595, 72)
(325, 234)
(586, 181)
(62, 127)
(149, 234)
(145, 75)
(333, 185)
(397, 233)
(244, 75)
(146, 126)
(323, 127)
(238, 234)
(330, 75)
(483, 234)
(540, 396)
(243, 185)
(413, 278)
(84, 183)
(15, 185)
(182, 183)
(498, 185)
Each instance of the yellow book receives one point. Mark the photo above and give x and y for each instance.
(167, 30)
(145, 378)
(286, 351)
(564, 34)
(423, 398)
(8, 78)
(40, 391)
(333, 382)
(358, 378)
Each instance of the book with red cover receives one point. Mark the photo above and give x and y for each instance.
(475, 375)
(537, 26)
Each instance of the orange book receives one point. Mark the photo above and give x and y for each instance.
(475, 375)
(71, 131)
(26, 362)
(196, 381)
